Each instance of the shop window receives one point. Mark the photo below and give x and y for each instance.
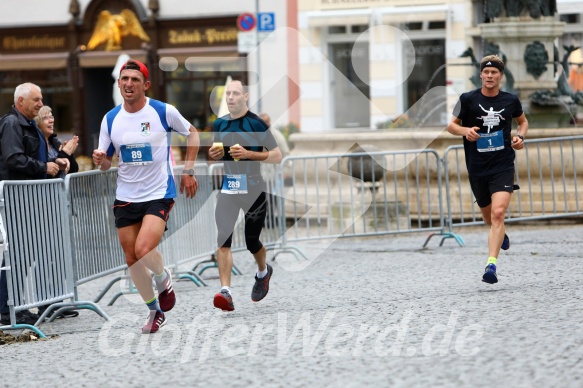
(437, 25)
(57, 93)
(332, 30)
(359, 29)
(190, 89)
(414, 26)
(350, 89)
(570, 18)
(430, 109)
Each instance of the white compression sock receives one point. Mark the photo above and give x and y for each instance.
(261, 274)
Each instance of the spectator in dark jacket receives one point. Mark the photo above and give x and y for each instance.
(23, 155)
(46, 123)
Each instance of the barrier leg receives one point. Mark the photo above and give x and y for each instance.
(212, 259)
(116, 296)
(445, 235)
(193, 276)
(19, 326)
(297, 252)
(109, 285)
(76, 306)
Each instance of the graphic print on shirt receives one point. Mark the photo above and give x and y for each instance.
(491, 141)
(145, 129)
(492, 117)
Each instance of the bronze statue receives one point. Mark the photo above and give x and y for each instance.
(513, 7)
(538, 8)
(493, 8)
(476, 81)
(536, 58)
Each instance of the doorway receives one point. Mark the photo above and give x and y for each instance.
(350, 88)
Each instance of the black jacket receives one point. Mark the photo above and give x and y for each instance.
(56, 144)
(19, 145)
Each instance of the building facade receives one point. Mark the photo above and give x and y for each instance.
(365, 62)
(70, 49)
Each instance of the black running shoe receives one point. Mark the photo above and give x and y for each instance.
(505, 242)
(261, 287)
(490, 274)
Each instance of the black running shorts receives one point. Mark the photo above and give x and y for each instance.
(129, 213)
(484, 186)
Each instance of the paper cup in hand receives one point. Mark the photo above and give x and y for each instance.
(236, 145)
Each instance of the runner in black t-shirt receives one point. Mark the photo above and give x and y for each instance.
(484, 118)
(244, 136)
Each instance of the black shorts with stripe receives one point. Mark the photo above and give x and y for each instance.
(129, 213)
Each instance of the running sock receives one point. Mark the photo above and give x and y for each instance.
(162, 277)
(153, 304)
(161, 280)
(491, 260)
(261, 274)
(228, 290)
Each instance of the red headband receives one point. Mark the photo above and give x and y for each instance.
(143, 68)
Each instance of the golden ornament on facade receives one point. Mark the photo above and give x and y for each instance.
(110, 29)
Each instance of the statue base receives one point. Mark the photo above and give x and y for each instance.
(513, 35)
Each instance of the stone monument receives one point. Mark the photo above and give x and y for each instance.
(525, 31)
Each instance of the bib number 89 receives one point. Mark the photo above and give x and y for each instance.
(234, 184)
(136, 154)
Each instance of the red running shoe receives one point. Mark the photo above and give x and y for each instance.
(224, 301)
(166, 298)
(155, 321)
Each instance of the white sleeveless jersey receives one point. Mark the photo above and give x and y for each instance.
(141, 141)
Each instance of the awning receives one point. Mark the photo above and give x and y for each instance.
(358, 16)
(419, 13)
(34, 61)
(108, 58)
(569, 6)
(385, 15)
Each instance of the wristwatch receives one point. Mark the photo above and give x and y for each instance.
(189, 171)
(518, 135)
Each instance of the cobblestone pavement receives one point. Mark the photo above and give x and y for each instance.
(366, 312)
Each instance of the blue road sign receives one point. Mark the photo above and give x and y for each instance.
(266, 21)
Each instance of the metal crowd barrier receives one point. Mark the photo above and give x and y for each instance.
(97, 251)
(275, 221)
(191, 231)
(38, 250)
(547, 171)
(363, 194)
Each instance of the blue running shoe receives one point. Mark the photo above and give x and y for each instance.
(505, 242)
(490, 274)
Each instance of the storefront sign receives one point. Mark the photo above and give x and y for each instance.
(202, 37)
(13, 43)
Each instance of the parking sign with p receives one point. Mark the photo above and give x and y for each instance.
(266, 21)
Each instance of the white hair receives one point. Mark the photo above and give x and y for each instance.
(23, 90)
